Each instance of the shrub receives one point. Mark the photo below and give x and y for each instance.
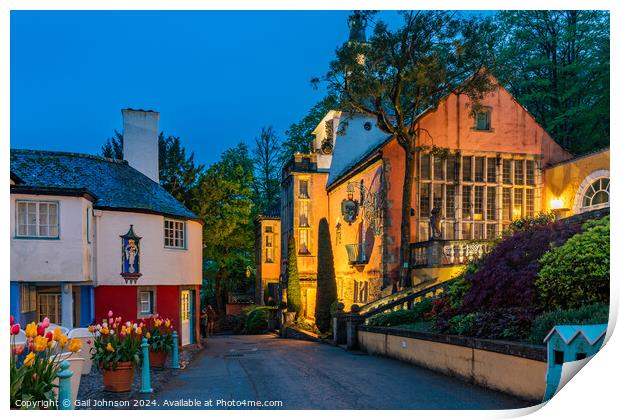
(463, 324)
(256, 320)
(506, 276)
(457, 289)
(529, 222)
(577, 273)
(293, 288)
(234, 323)
(403, 316)
(326, 289)
(592, 314)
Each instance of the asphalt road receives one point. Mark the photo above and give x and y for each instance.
(306, 375)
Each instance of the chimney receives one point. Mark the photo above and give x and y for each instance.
(140, 141)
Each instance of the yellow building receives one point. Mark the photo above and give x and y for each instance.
(267, 258)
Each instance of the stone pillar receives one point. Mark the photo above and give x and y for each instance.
(339, 326)
(434, 253)
(352, 321)
(66, 305)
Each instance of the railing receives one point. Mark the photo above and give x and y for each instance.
(356, 254)
(441, 252)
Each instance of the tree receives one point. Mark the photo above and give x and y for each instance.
(326, 289)
(293, 288)
(556, 63)
(223, 202)
(267, 166)
(398, 74)
(299, 135)
(178, 173)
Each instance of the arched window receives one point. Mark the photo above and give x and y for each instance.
(597, 194)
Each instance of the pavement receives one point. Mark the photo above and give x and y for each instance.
(245, 371)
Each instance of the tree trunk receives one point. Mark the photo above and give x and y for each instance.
(405, 223)
(219, 302)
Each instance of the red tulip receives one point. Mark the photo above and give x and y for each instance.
(12, 320)
(18, 350)
(40, 330)
(15, 329)
(49, 336)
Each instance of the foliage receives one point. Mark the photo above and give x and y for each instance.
(459, 287)
(335, 307)
(302, 324)
(232, 323)
(577, 273)
(256, 320)
(116, 341)
(299, 135)
(591, 314)
(326, 289)
(267, 167)
(556, 63)
(32, 377)
(528, 222)
(293, 288)
(400, 73)
(402, 316)
(159, 333)
(505, 278)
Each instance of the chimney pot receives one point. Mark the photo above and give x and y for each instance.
(140, 141)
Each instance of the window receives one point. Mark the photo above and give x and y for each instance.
(529, 172)
(507, 171)
(529, 202)
(467, 168)
(492, 170)
(269, 245)
(506, 204)
(452, 168)
(303, 188)
(483, 120)
(491, 204)
(451, 201)
(597, 194)
(174, 234)
(517, 209)
(425, 200)
(303, 213)
(146, 302)
(28, 295)
(437, 168)
(466, 202)
(303, 241)
(518, 172)
(479, 169)
(437, 195)
(558, 357)
(425, 167)
(360, 291)
(49, 307)
(37, 219)
(478, 202)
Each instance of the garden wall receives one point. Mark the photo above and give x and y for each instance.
(514, 368)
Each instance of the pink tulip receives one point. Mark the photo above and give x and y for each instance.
(46, 322)
(110, 313)
(12, 320)
(15, 329)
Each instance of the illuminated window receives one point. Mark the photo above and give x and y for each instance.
(506, 204)
(466, 202)
(491, 204)
(437, 195)
(478, 202)
(269, 245)
(517, 209)
(303, 188)
(451, 201)
(507, 171)
(529, 172)
(519, 172)
(303, 241)
(529, 202)
(174, 233)
(597, 194)
(360, 291)
(37, 219)
(303, 213)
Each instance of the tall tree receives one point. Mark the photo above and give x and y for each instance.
(326, 289)
(399, 73)
(223, 202)
(556, 63)
(299, 135)
(178, 173)
(293, 287)
(267, 166)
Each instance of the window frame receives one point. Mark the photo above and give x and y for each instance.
(26, 293)
(152, 293)
(487, 127)
(38, 221)
(174, 229)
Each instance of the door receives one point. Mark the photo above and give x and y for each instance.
(185, 317)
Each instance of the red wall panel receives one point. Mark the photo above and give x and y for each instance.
(167, 304)
(122, 300)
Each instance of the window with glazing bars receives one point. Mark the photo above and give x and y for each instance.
(507, 171)
(466, 202)
(478, 202)
(492, 170)
(506, 204)
(437, 168)
(437, 195)
(174, 233)
(303, 188)
(450, 201)
(425, 200)
(452, 168)
(479, 169)
(491, 204)
(467, 168)
(303, 213)
(529, 172)
(529, 202)
(518, 172)
(517, 209)
(425, 166)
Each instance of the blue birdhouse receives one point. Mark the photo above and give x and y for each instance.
(569, 343)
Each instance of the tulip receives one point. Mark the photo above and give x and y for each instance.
(40, 330)
(18, 350)
(15, 329)
(139, 330)
(105, 330)
(12, 320)
(148, 335)
(75, 345)
(34, 376)
(31, 330)
(57, 333)
(110, 348)
(29, 360)
(167, 323)
(49, 336)
(88, 342)
(46, 322)
(62, 341)
(110, 313)
(91, 329)
(40, 344)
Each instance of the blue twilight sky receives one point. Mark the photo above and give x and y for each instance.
(215, 77)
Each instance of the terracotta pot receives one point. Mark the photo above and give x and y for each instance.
(120, 379)
(157, 359)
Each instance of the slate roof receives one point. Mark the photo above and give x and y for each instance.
(113, 183)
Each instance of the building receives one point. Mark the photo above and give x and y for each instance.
(91, 234)
(267, 229)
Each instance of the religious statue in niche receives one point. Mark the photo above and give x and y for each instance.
(435, 223)
(130, 256)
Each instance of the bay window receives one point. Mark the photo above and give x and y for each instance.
(37, 219)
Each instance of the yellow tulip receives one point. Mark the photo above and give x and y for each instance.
(75, 345)
(158, 322)
(29, 360)
(110, 348)
(148, 335)
(57, 334)
(62, 341)
(31, 330)
(139, 331)
(40, 343)
(105, 330)
(167, 323)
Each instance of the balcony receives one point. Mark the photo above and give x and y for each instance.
(356, 254)
(443, 252)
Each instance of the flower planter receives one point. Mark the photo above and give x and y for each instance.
(119, 379)
(157, 359)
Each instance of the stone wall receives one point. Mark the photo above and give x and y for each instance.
(514, 368)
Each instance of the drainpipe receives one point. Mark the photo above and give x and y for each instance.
(95, 249)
